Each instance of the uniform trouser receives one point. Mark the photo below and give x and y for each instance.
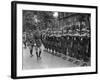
(24, 43)
(56, 49)
(38, 53)
(31, 50)
(69, 49)
(86, 55)
(64, 51)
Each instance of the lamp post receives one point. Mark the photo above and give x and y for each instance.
(56, 16)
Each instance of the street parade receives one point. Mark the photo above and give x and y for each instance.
(61, 35)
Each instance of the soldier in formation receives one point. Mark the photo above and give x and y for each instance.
(69, 45)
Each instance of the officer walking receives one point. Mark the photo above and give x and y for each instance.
(38, 48)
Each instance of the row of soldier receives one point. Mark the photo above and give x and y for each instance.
(69, 45)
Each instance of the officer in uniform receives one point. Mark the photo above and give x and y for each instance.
(59, 44)
(70, 44)
(63, 41)
(85, 46)
(75, 47)
(38, 47)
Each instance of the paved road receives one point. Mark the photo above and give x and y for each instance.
(47, 61)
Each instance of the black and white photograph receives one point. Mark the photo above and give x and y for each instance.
(54, 39)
